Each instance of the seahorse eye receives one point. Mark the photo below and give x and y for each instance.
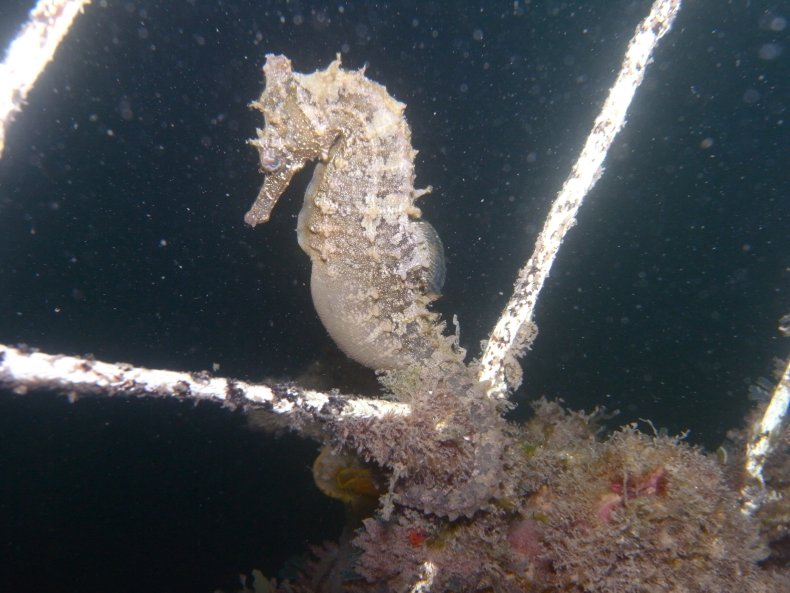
(270, 162)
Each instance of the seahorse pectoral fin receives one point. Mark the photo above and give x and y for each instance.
(273, 187)
(430, 253)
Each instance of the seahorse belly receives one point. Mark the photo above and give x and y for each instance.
(376, 266)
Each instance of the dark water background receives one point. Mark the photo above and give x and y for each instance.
(125, 179)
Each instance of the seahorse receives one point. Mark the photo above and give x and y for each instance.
(376, 265)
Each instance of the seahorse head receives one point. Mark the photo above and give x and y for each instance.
(289, 138)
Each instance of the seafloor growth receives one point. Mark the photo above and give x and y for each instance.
(545, 507)
(631, 513)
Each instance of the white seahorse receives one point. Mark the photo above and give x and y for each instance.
(376, 266)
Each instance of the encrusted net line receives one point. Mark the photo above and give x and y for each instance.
(29, 53)
(514, 331)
